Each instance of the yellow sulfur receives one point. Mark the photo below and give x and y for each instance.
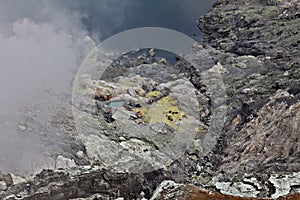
(164, 110)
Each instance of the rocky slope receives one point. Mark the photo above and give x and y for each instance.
(232, 122)
(262, 131)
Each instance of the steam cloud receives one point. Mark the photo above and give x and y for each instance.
(37, 40)
(41, 44)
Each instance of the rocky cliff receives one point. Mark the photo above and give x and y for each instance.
(246, 139)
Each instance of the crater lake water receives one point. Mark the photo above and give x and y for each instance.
(108, 17)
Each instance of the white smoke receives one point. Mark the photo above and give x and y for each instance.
(41, 45)
(37, 48)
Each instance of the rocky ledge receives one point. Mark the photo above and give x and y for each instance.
(161, 128)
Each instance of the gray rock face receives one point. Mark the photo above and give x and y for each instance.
(258, 28)
(3, 185)
(260, 137)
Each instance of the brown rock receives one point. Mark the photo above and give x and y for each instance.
(193, 193)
